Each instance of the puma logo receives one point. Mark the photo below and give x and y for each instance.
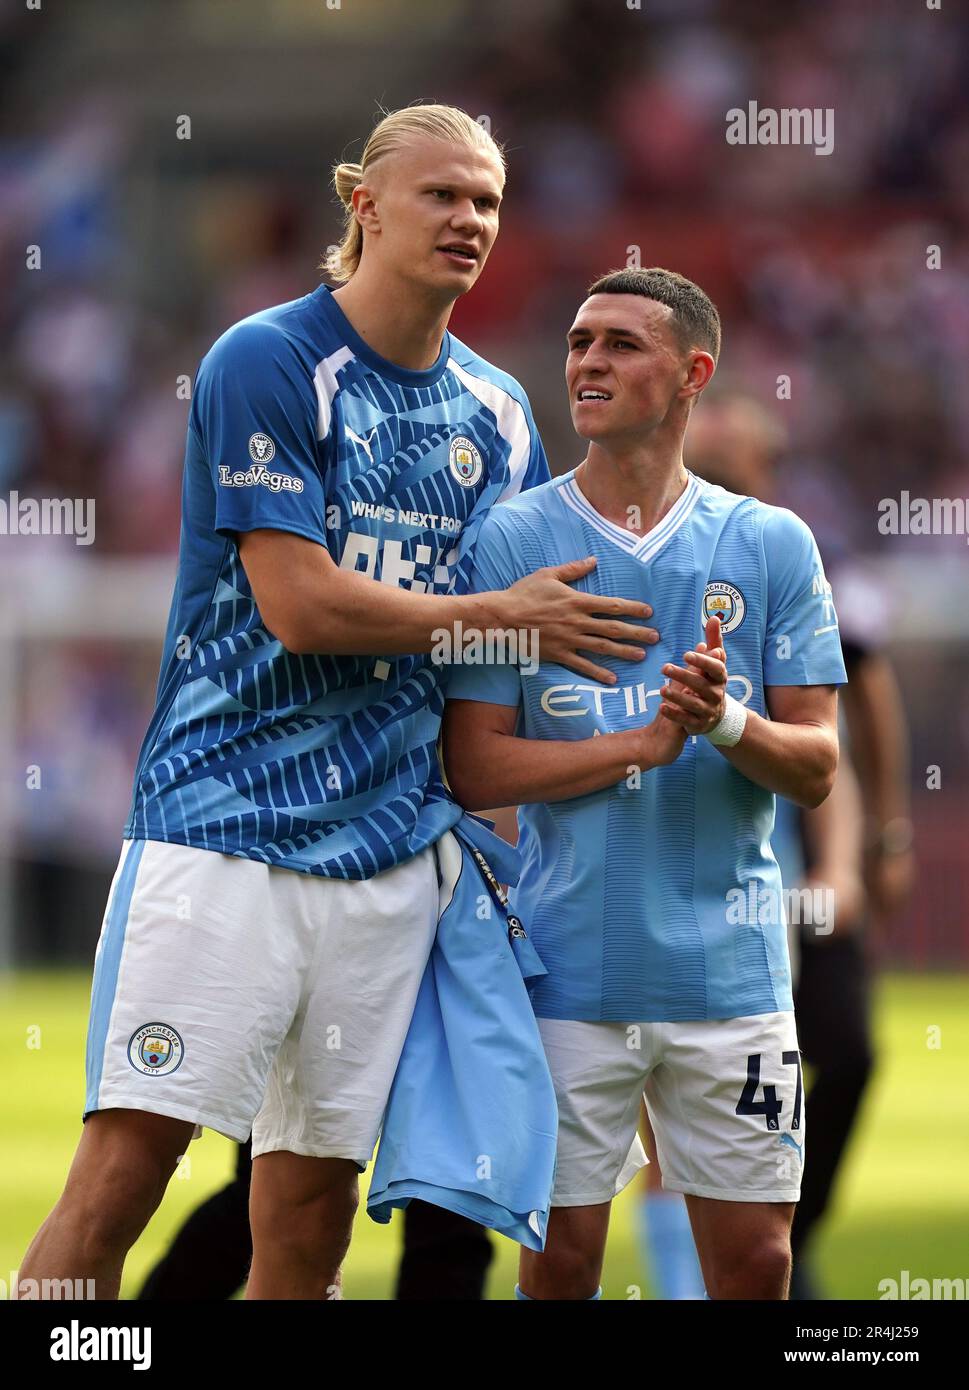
(364, 443)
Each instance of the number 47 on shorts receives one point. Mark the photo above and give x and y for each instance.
(770, 1107)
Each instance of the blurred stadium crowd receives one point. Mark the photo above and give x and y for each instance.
(614, 119)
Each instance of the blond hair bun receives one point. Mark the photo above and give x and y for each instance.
(345, 179)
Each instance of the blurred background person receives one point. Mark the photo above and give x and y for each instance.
(858, 844)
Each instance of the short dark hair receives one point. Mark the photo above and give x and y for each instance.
(695, 318)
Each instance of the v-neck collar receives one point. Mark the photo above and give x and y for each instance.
(642, 548)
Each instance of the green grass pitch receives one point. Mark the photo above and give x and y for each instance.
(903, 1202)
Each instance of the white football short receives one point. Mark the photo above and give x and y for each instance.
(222, 985)
(724, 1098)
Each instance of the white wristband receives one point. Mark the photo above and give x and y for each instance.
(728, 732)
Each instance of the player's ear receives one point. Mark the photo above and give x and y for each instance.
(365, 206)
(700, 368)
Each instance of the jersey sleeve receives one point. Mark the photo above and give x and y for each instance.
(255, 412)
(493, 567)
(802, 645)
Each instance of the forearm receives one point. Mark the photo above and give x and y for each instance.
(503, 770)
(833, 830)
(798, 761)
(313, 605)
(832, 834)
(361, 616)
(879, 741)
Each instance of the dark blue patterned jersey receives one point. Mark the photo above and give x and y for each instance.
(320, 763)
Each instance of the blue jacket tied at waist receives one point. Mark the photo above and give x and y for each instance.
(471, 1122)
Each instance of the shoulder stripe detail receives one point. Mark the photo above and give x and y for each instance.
(512, 423)
(325, 382)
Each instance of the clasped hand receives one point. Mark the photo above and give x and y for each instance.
(693, 700)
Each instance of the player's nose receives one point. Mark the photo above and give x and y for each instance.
(594, 359)
(467, 218)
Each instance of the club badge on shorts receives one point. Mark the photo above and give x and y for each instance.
(464, 460)
(725, 602)
(155, 1050)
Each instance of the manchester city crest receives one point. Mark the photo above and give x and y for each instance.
(464, 460)
(155, 1050)
(725, 602)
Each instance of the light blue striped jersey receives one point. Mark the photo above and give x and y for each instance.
(324, 764)
(659, 901)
